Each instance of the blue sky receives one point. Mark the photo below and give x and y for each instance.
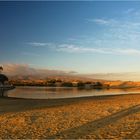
(86, 37)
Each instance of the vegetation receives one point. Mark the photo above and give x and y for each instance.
(67, 84)
(3, 79)
(57, 83)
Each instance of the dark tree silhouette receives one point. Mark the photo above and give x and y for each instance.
(1, 68)
(67, 84)
(88, 82)
(99, 84)
(3, 78)
(80, 84)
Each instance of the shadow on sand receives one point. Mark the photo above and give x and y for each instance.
(90, 127)
(8, 104)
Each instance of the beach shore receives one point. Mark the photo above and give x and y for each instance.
(103, 117)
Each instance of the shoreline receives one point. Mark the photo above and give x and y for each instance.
(81, 97)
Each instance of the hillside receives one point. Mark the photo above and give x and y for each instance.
(54, 81)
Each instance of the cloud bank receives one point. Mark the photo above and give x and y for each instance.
(124, 76)
(25, 69)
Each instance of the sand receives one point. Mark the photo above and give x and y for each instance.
(106, 117)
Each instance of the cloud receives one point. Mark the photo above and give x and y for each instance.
(125, 76)
(39, 44)
(25, 69)
(120, 36)
(129, 11)
(129, 19)
(117, 23)
(67, 48)
(128, 51)
(132, 12)
(100, 21)
(71, 48)
(20, 70)
(103, 21)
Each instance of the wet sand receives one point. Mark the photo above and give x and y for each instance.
(104, 117)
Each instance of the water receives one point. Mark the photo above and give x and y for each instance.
(63, 92)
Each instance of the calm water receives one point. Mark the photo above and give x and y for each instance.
(60, 92)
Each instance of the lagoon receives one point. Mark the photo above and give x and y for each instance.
(63, 92)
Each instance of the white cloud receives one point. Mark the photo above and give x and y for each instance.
(103, 21)
(128, 51)
(39, 44)
(67, 48)
(100, 21)
(70, 48)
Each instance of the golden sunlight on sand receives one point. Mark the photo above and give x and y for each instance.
(116, 117)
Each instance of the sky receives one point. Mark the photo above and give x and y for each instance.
(85, 37)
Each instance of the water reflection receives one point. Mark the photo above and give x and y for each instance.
(61, 92)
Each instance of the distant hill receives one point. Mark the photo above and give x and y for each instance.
(62, 77)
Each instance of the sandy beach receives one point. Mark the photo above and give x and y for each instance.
(104, 117)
